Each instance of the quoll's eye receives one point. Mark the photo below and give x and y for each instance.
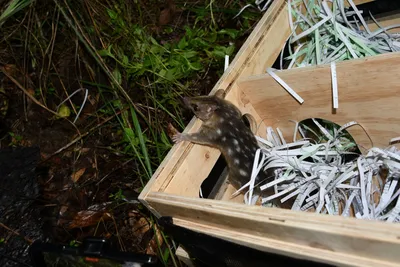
(195, 107)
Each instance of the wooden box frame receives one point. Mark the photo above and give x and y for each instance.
(174, 187)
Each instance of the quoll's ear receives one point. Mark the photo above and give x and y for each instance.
(220, 93)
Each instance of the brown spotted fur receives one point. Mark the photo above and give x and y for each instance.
(224, 129)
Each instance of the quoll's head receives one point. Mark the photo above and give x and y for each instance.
(204, 107)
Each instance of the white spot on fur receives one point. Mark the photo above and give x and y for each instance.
(235, 142)
(236, 161)
(231, 122)
(221, 120)
(224, 138)
(219, 131)
(238, 149)
(230, 151)
(243, 172)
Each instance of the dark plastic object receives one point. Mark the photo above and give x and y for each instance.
(93, 249)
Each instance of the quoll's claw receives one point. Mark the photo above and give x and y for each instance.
(178, 137)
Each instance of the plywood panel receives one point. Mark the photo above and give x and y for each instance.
(368, 93)
(358, 2)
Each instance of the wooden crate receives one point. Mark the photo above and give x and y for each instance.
(174, 188)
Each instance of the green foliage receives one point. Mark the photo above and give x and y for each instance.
(15, 139)
(159, 72)
(74, 243)
(119, 196)
(13, 7)
(169, 63)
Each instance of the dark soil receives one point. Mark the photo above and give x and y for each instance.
(70, 210)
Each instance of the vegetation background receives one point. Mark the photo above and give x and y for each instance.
(94, 83)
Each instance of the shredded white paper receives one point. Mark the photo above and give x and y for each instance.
(262, 5)
(226, 62)
(331, 33)
(285, 85)
(334, 33)
(334, 86)
(315, 177)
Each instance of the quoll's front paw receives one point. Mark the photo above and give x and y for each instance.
(174, 134)
(178, 137)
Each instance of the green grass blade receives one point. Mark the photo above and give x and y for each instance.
(139, 133)
(13, 7)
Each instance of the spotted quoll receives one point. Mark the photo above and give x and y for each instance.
(223, 128)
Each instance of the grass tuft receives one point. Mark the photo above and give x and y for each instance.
(13, 7)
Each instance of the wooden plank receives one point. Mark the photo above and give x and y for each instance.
(227, 195)
(257, 53)
(368, 90)
(331, 239)
(359, 2)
